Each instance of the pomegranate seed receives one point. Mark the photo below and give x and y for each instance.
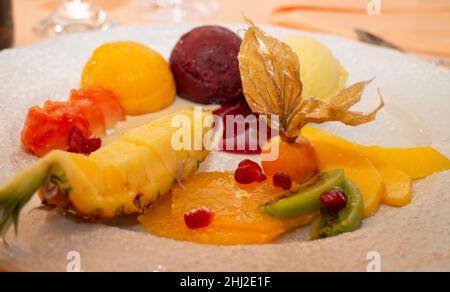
(282, 180)
(249, 172)
(249, 163)
(198, 218)
(79, 144)
(246, 175)
(334, 200)
(77, 141)
(261, 176)
(93, 144)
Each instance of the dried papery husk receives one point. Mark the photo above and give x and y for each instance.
(314, 110)
(270, 72)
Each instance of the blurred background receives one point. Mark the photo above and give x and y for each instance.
(420, 27)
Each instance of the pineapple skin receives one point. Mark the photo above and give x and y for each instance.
(121, 178)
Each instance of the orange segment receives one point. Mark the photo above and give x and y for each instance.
(237, 215)
(158, 220)
(235, 206)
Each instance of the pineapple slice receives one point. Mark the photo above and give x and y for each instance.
(145, 180)
(121, 178)
(151, 138)
(162, 132)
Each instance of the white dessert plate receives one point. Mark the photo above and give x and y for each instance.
(416, 237)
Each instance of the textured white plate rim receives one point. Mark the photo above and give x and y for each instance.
(50, 40)
(255, 257)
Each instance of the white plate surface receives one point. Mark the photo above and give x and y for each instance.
(416, 237)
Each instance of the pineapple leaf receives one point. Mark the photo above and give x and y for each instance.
(16, 194)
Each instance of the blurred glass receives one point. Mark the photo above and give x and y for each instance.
(6, 25)
(178, 10)
(73, 16)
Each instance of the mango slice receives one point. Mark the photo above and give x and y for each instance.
(357, 167)
(397, 166)
(416, 162)
(398, 187)
(237, 215)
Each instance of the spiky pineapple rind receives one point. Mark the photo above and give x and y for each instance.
(15, 195)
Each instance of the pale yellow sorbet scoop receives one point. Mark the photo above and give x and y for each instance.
(321, 73)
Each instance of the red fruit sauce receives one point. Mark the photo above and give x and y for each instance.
(241, 109)
(198, 218)
(334, 200)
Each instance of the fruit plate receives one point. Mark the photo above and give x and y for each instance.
(412, 238)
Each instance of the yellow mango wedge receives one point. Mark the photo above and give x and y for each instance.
(398, 187)
(416, 162)
(357, 167)
(397, 166)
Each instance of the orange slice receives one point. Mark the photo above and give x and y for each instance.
(159, 221)
(237, 215)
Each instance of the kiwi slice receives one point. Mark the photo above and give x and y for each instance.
(347, 220)
(306, 200)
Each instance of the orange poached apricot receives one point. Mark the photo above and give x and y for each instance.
(237, 215)
(298, 159)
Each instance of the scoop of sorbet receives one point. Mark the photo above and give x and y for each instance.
(205, 66)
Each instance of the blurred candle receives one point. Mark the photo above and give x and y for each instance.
(73, 16)
(179, 10)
